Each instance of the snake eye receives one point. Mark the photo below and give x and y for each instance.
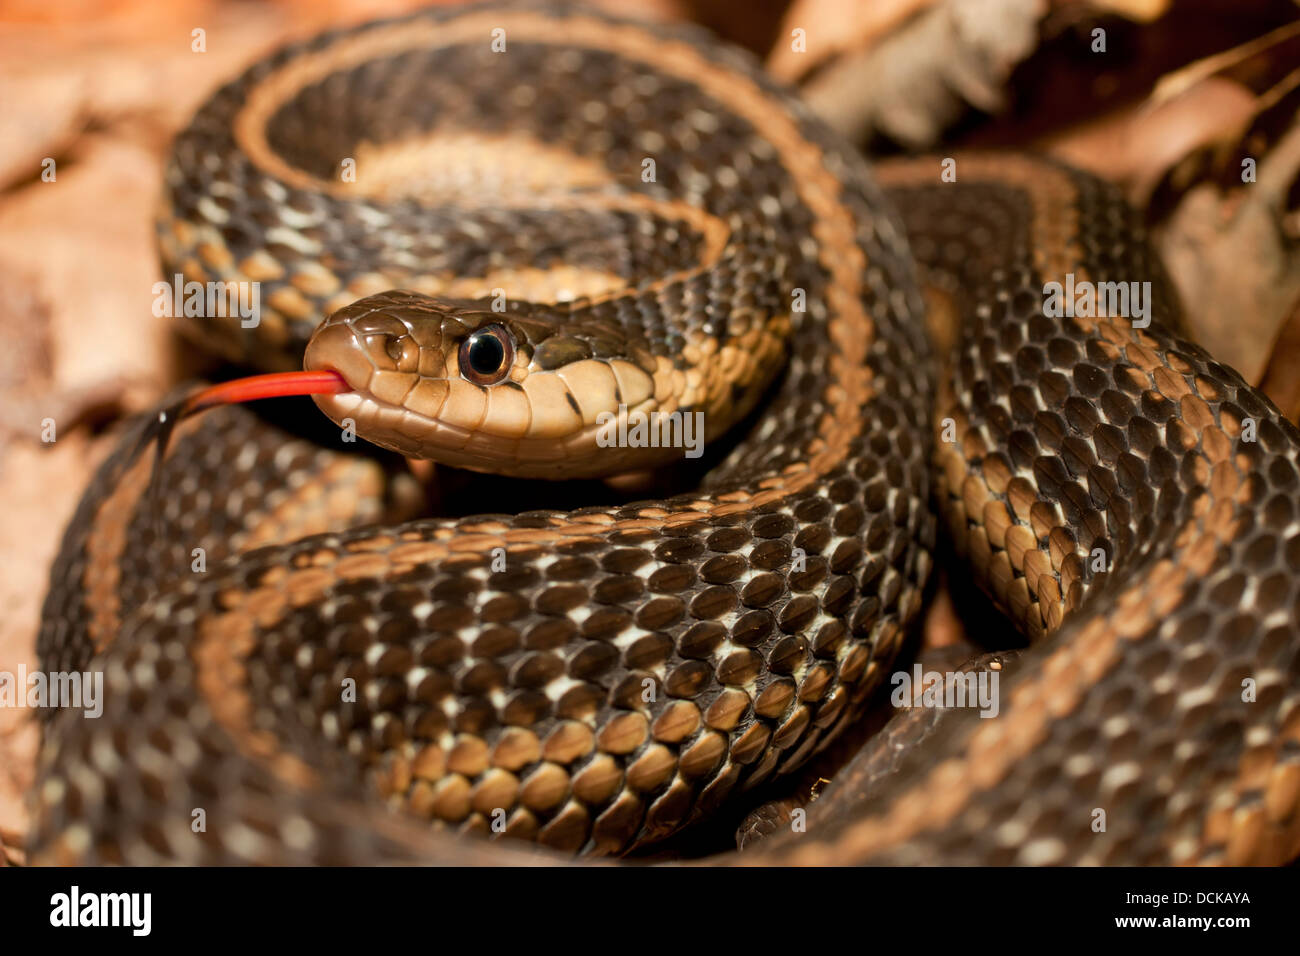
(487, 355)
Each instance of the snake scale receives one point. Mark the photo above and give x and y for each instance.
(667, 229)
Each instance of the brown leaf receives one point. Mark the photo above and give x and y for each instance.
(1138, 146)
(1235, 266)
(1281, 380)
(833, 28)
(911, 82)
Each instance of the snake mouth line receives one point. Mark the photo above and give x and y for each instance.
(338, 400)
(467, 448)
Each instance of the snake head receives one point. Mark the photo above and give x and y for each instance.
(523, 392)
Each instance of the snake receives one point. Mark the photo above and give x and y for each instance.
(498, 227)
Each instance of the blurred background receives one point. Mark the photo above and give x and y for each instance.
(1189, 105)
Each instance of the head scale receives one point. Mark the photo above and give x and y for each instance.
(519, 392)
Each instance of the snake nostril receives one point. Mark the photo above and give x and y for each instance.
(395, 352)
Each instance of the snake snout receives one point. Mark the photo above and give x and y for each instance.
(363, 340)
(334, 346)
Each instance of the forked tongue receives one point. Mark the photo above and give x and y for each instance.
(254, 387)
(249, 389)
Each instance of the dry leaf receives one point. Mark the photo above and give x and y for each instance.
(1137, 147)
(832, 28)
(912, 83)
(1236, 269)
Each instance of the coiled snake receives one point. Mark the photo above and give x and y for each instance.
(610, 214)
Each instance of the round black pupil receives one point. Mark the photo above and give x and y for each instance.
(485, 353)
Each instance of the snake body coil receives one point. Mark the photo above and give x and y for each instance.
(595, 679)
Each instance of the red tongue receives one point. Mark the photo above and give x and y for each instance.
(274, 385)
